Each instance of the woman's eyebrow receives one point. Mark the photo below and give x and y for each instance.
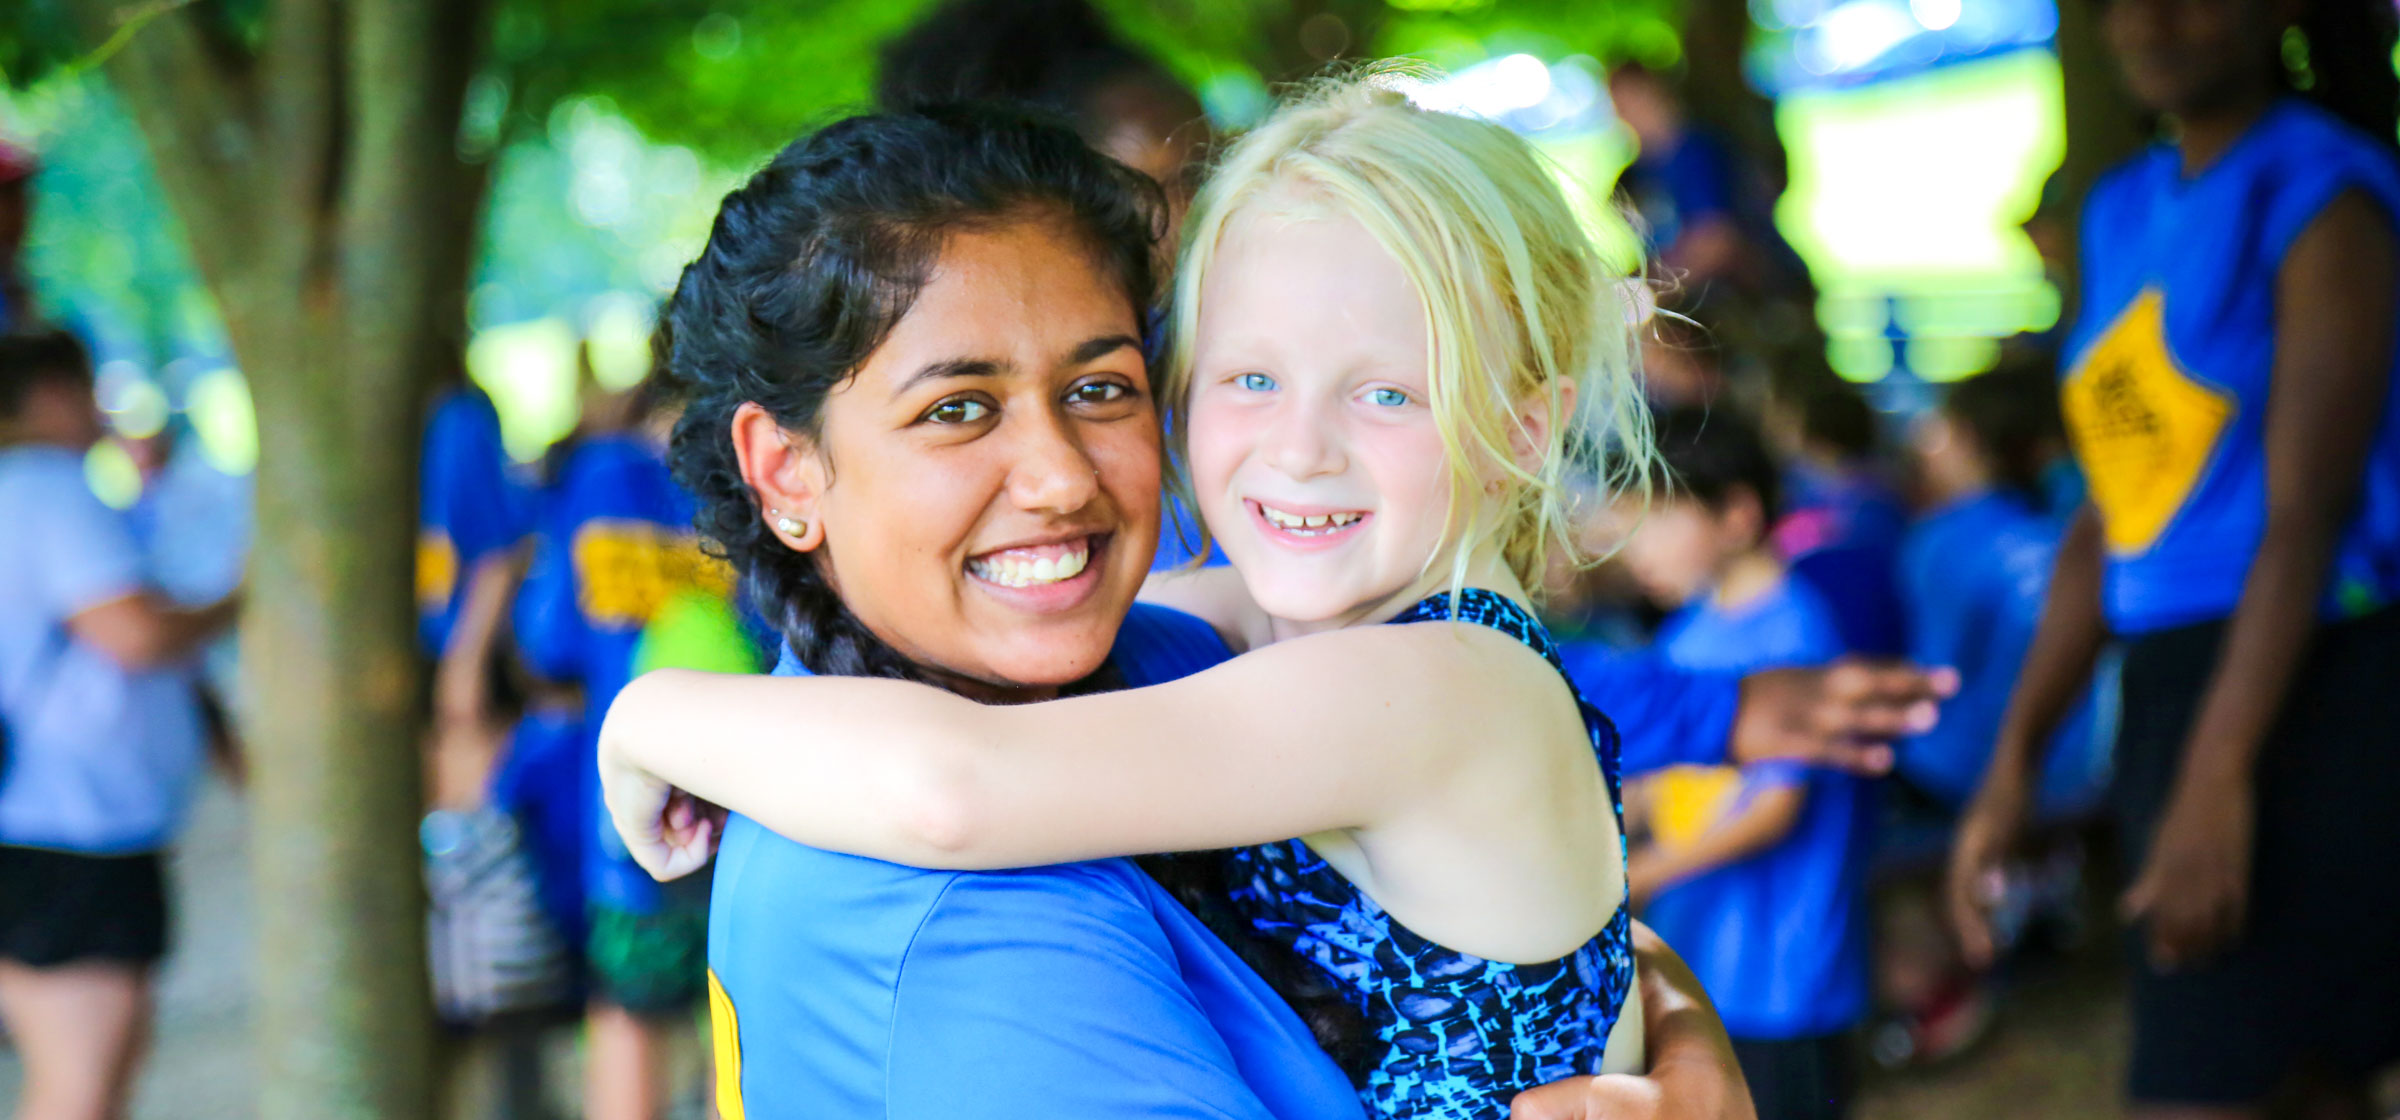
(949, 368)
(1098, 347)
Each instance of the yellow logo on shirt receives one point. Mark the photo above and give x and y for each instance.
(437, 569)
(2143, 428)
(1686, 801)
(725, 1037)
(625, 570)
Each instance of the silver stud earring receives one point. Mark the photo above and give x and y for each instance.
(787, 526)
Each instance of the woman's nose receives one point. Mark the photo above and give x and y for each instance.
(1051, 472)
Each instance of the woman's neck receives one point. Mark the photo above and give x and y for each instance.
(988, 692)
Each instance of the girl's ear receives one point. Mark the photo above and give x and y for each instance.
(1529, 436)
(787, 471)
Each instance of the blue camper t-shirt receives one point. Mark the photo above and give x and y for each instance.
(1778, 939)
(1975, 574)
(470, 505)
(2168, 366)
(845, 987)
(616, 543)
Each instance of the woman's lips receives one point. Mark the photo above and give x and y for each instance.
(1041, 578)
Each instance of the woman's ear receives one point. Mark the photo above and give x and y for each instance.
(788, 473)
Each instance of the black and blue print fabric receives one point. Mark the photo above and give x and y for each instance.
(1458, 1035)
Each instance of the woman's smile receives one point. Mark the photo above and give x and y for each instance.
(1042, 576)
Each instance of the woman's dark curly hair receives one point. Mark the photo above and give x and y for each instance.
(809, 267)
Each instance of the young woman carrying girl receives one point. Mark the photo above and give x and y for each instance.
(1385, 320)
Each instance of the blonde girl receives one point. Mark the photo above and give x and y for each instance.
(1385, 323)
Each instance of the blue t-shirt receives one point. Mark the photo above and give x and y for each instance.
(2169, 364)
(101, 759)
(844, 987)
(615, 543)
(1681, 187)
(1778, 939)
(1788, 625)
(469, 507)
(1975, 574)
(1665, 716)
(1841, 534)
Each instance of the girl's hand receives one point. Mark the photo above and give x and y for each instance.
(1985, 834)
(668, 832)
(2194, 890)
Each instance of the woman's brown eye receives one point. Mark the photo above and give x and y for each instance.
(964, 410)
(1099, 392)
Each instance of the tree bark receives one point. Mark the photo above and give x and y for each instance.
(1716, 87)
(332, 219)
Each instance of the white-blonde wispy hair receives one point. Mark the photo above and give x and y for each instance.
(1520, 301)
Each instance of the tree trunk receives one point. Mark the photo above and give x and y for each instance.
(1716, 88)
(332, 220)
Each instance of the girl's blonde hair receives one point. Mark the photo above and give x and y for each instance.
(1519, 302)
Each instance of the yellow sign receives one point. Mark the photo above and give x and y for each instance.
(2143, 428)
(725, 1035)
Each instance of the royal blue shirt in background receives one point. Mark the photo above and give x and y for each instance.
(1779, 939)
(1841, 534)
(2170, 361)
(1974, 575)
(1665, 716)
(470, 505)
(844, 987)
(615, 542)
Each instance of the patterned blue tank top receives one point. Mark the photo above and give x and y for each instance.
(1457, 1035)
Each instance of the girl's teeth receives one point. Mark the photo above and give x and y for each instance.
(1318, 522)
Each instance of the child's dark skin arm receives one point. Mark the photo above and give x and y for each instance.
(1761, 823)
(2333, 360)
(2056, 669)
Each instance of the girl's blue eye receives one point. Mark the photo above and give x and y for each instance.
(1255, 382)
(958, 410)
(1387, 397)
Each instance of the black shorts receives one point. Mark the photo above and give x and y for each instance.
(59, 908)
(1798, 1078)
(2314, 982)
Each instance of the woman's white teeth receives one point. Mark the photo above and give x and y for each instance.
(1009, 570)
(1320, 523)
